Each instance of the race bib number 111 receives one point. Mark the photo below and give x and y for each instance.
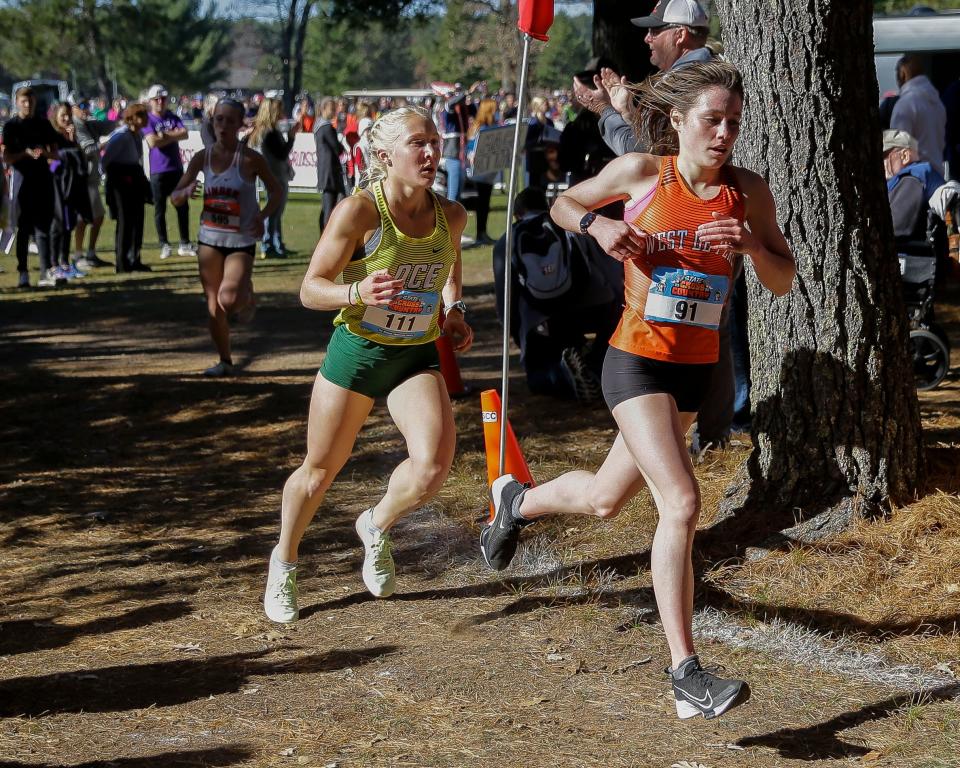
(408, 316)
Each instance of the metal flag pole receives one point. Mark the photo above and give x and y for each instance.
(507, 272)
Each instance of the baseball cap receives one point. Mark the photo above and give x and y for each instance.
(364, 124)
(898, 140)
(689, 13)
(74, 99)
(157, 91)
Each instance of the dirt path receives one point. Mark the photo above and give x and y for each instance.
(138, 503)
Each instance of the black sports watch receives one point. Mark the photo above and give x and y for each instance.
(586, 221)
(459, 305)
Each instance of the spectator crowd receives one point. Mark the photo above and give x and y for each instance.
(62, 165)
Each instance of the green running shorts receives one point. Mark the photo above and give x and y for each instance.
(372, 369)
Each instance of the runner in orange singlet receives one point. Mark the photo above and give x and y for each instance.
(687, 213)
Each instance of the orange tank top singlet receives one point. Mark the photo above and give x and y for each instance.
(673, 304)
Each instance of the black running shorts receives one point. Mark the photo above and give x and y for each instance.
(626, 376)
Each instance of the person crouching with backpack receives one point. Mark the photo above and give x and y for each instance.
(561, 292)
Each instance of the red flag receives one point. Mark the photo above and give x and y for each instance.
(536, 16)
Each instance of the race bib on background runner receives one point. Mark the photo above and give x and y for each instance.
(408, 316)
(685, 296)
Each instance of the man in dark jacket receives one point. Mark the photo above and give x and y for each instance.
(329, 174)
(29, 141)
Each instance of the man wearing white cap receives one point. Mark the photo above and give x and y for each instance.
(677, 36)
(910, 184)
(164, 132)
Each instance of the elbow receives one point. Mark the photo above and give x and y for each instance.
(305, 297)
(785, 284)
(782, 290)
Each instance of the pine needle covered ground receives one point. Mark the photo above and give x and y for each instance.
(138, 502)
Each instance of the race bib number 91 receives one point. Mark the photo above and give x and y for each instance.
(686, 297)
(408, 315)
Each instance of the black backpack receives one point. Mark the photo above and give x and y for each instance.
(549, 269)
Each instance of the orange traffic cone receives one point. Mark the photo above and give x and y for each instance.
(514, 463)
(449, 368)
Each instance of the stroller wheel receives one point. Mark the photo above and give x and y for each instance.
(931, 358)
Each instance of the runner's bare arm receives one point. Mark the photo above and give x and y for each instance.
(761, 238)
(188, 182)
(629, 176)
(455, 324)
(350, 221)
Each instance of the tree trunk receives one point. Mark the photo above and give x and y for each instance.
(95, 42)
(835, 416)
(287, 31)
(617, 39)
(298, 52)
(511, 45)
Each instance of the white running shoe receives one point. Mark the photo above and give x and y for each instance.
(280, 597)
(166, 251)
(378, 571)
(186, 249)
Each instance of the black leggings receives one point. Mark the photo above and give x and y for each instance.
(128, 202)
(36, 220)
(161, 185)
(484, 191)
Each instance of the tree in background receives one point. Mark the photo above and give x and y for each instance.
(567, 52)
(337, 57)
(619, 40)
(836, 423)
(176, 42)
(904, 6)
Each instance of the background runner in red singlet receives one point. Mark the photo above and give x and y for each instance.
(687, 213)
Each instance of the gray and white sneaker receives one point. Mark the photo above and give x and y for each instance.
(50, 279)
(699, 691)
(280, 597)
(165, 251)
(220, 370)
(379, 573)
(499, 538)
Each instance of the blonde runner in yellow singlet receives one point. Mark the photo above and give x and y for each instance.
(397, 246)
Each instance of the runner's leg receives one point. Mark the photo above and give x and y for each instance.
(655, 434)
(236, 286)
(211, 276)
(421, 409)
(579, 492)
(336, 415)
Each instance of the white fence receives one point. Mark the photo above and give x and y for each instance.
(303, 157)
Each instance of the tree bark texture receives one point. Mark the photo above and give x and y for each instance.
(511, 45)
(836, 421)
(293, 30)
(617, 39)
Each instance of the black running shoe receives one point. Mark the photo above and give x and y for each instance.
(700, 692)
(498, 539)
